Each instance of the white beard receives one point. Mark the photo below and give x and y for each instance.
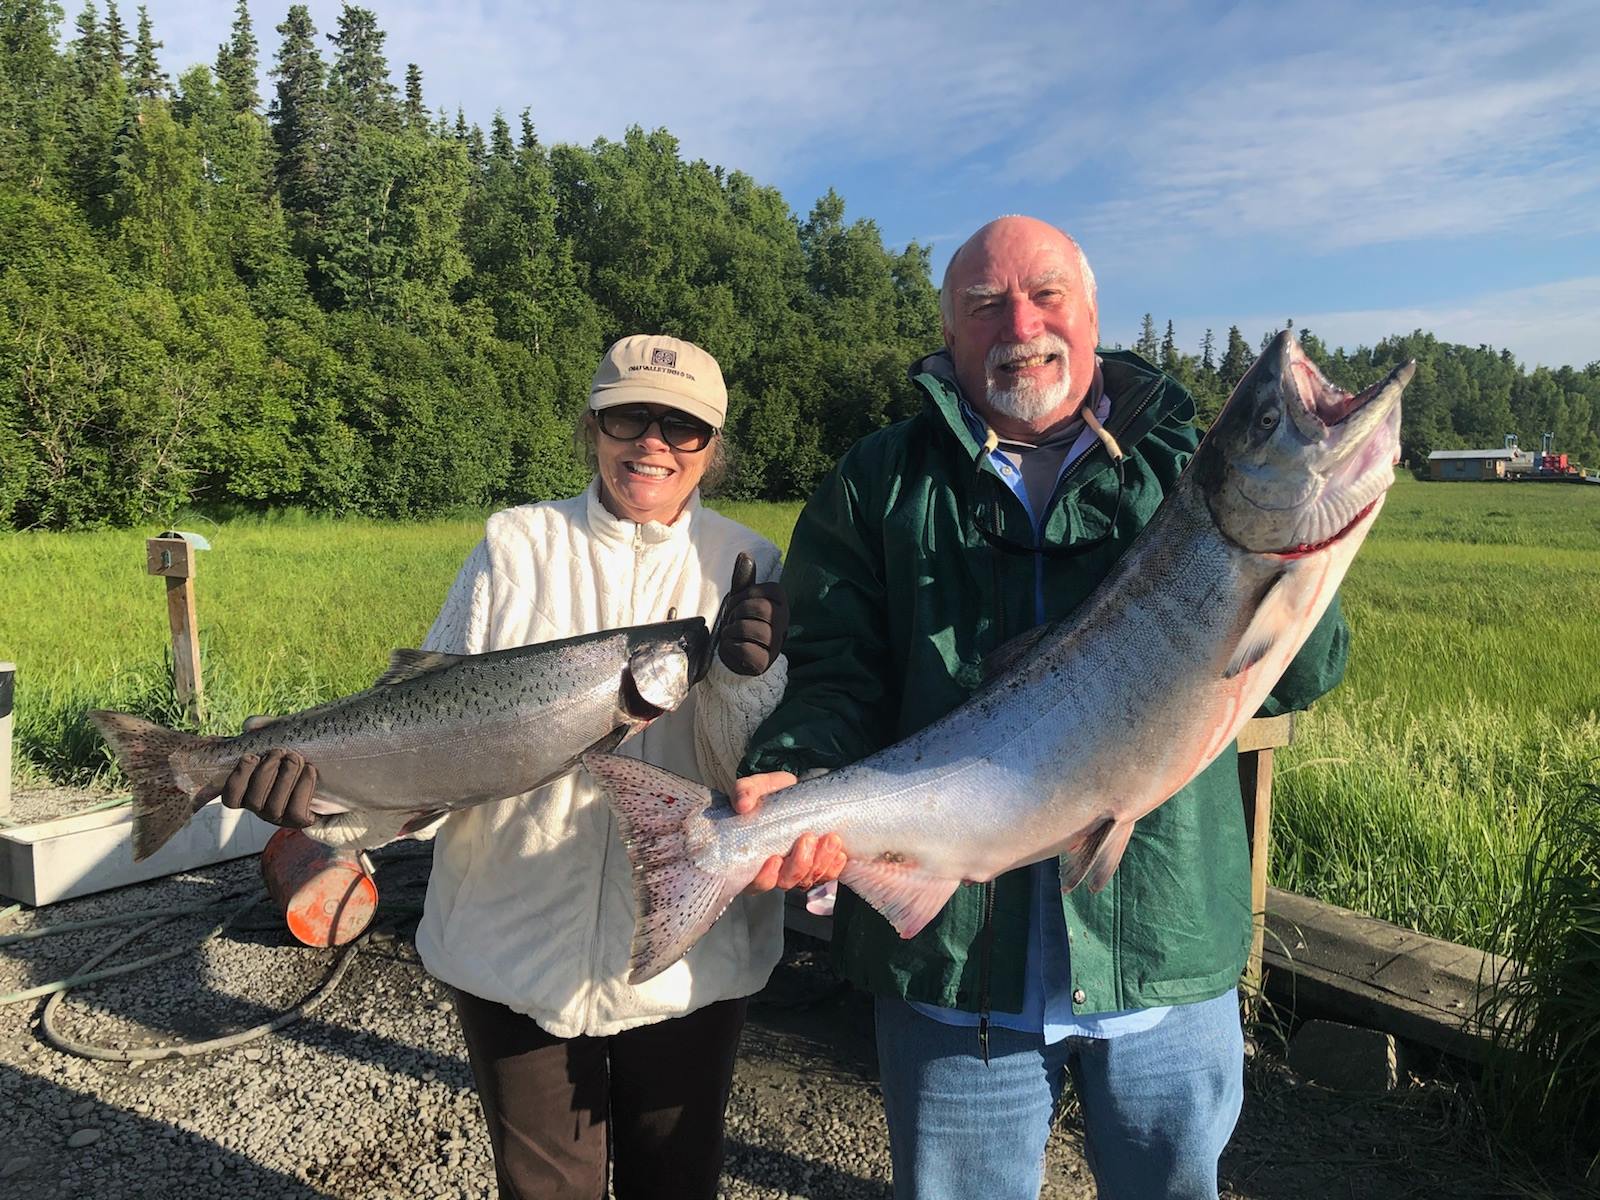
(1026, 399)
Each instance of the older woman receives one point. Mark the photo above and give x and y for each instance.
(529, 912)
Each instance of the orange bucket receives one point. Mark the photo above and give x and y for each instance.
(326, 896)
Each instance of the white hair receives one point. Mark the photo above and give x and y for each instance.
(947, 299)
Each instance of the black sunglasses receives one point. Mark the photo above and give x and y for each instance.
(628, 422)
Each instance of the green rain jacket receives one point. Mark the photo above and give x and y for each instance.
(896, 599)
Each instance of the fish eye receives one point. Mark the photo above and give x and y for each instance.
(1269, 418)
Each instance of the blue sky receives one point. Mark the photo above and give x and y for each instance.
(1364, 168)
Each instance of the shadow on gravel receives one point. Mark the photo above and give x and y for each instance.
(798, 1176)
(38, 1162)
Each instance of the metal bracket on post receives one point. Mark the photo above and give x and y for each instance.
(172, 555)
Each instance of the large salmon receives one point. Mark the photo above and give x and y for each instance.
(437, 732)
(1159, 667)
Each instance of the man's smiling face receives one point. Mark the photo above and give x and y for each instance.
(1021, 325)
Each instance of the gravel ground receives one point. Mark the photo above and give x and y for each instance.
(370, 1096)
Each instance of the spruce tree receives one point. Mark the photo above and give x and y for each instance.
(116, 35)
(500, 146)
(148, 81)
(1236, 360)
(1208, 353)
(1147, 346)
(359, 90)
(94, 113)
(1169, 350)
(299, 118)
(87, 53)
(237, 64)
(416, 115)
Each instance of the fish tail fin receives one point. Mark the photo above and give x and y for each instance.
(675, 901)
(144, 751)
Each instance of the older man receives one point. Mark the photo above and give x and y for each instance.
(933, 542)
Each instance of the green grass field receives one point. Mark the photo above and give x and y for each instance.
(1411, 793)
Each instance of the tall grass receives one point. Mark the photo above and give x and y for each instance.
(292, 610)
(1541, 1086)
(1414, 790)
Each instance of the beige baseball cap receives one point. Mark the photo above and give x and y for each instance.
(653, 369)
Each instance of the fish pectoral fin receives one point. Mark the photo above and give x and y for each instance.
(907, 896)
(408, 664)
(1094, 857)
(1274, 615)
(1017, 650)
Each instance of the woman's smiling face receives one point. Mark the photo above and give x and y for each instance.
(644, 478)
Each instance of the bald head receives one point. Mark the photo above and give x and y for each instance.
(1021, 324)
(1000, 229)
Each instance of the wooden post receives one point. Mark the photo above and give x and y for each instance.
(172, 557)
(8, 675)
(1257, 742)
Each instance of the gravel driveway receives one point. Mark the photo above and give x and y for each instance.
(370, 1096)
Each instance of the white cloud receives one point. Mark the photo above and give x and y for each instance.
(1357, 129)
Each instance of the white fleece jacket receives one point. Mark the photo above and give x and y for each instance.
(530, 903)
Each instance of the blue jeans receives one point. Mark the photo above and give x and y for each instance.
(1158, 1105)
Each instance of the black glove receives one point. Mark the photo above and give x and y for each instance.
(754, 621)
(277, 786)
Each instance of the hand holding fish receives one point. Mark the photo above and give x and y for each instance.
(810, 861)
(277, 786)
(753, 622)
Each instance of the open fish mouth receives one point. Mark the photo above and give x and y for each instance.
(1327, 402)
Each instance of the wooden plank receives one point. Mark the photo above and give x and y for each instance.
(1255, 788)
(185, 645)
(1368, 972)
(1265, 733)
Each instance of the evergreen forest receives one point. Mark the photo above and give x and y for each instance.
(293, 284)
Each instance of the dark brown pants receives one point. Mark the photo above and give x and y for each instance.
(658, 1091)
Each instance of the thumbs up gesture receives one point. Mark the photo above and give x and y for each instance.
(753, 623)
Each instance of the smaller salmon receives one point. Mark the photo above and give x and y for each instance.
(437, 732)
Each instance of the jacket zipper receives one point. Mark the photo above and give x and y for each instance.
(605, 838)
(986, 932)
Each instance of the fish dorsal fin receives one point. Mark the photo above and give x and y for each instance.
(1273, 618)
(1016, 650)
(408, 664)
(906, 895)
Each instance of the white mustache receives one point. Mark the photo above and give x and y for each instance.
(1000, 355)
